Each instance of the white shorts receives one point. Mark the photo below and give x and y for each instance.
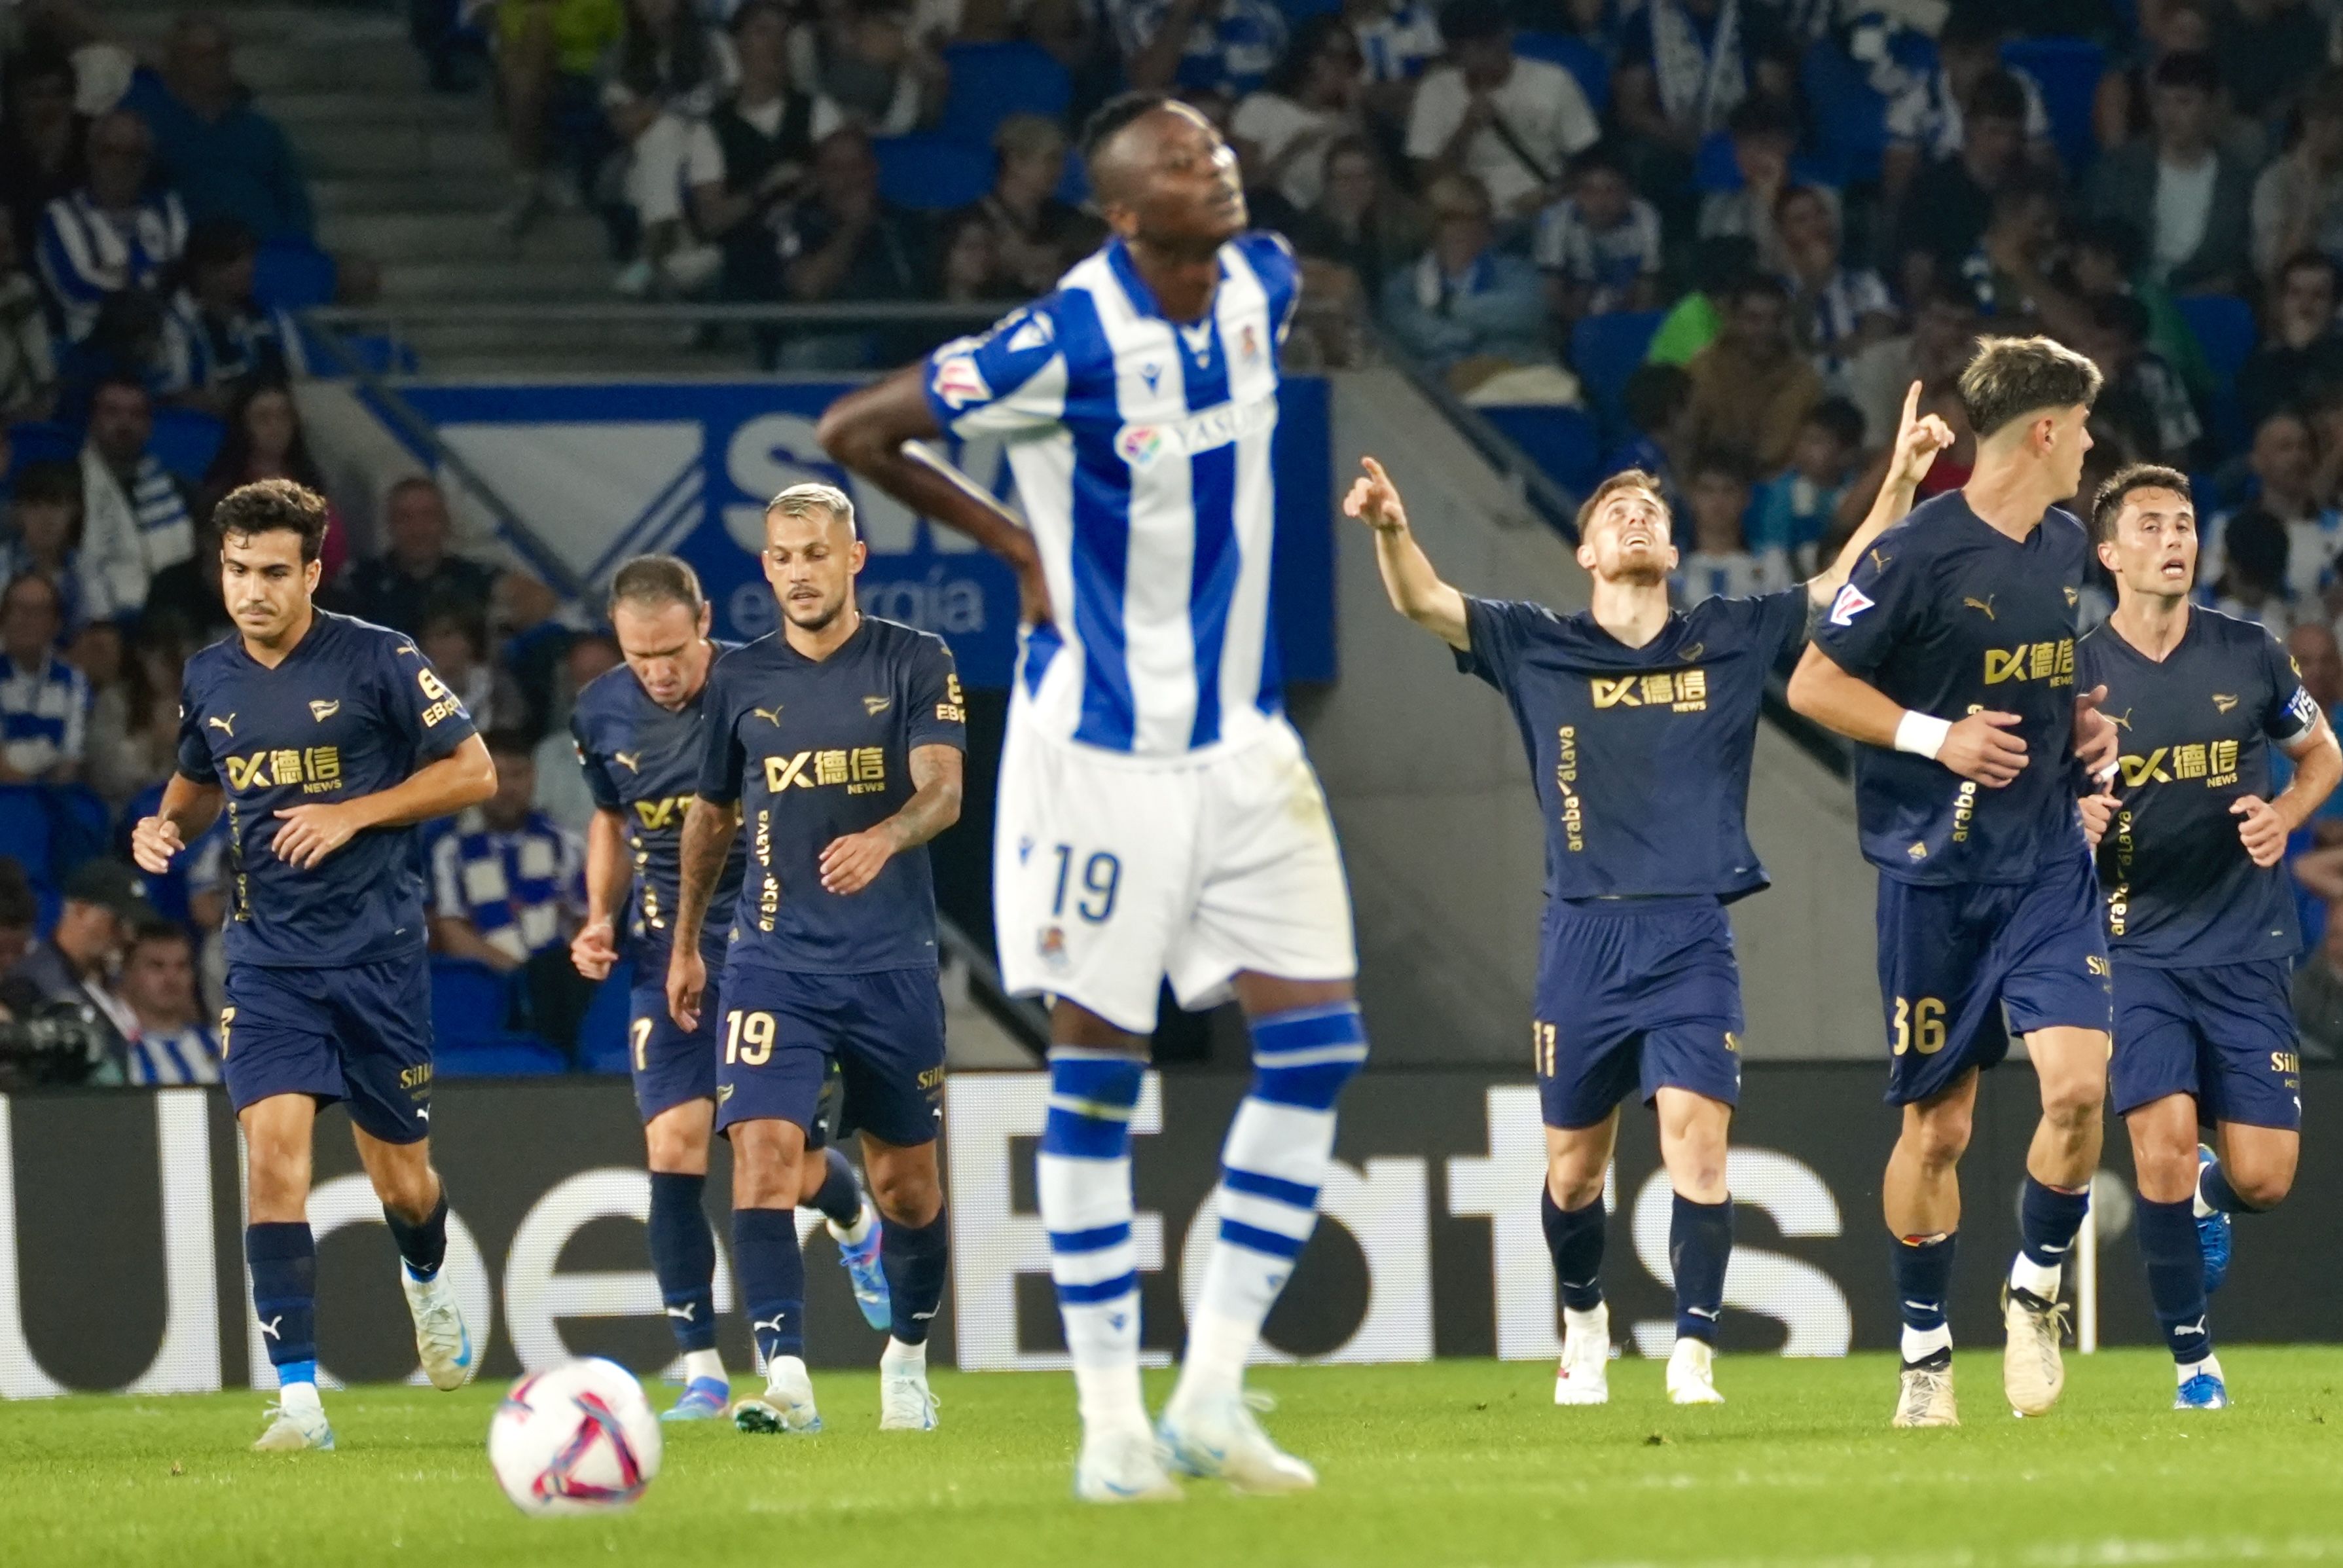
(1111, 874)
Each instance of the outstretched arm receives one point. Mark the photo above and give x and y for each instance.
(874, 431)
(1416, 589)
(1918, 438)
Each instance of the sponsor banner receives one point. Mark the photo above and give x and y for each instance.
(607, 470)
(1430, 1245)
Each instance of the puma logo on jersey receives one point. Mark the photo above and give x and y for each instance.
(875, 706)
(225, 725)
(409, 649)
(1879, 562)
(2222, 702)
(633, 759)
(2122, 720)
(324, 709)
(1985, 604)
(772, 715)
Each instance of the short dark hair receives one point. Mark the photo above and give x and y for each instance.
(1624, 480)
(1602, 158)
(2119, 236)
(1106, 122)
(2014, 377)
(1762, 115)
(510, 743)
(652, 580)
(2255, 546)
(1842, 418)
(216, 242)
(53, 484)
(1473, 21)
(2309, 257)
(273, 506)
(1997, 95)
(1654, 395)
(2187, 69)
(161, 930)
(1757, 285)
(1730, 461)
(2108, 505)
(2121, 313)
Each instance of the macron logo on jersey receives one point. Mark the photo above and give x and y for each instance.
(1851, 602)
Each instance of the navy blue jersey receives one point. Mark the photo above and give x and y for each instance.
(1950, 616)
(1641, 755)
(2179, 890)
(643, 762)
(816, 751)
(353, 709)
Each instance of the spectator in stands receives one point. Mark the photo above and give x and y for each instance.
(508, 888)
(1949, 205)
(1719, 564)
(750, 156)
(42, 141)
(217, 340)
(112, 235)
(44, 540)
(2267, 51)
(135, 519)
(867, 57)
(670, 70)
(173, 1045)
(1398, 40)
(2318, 985)
(1925, 121)
(2120, 112)
(535, 640)
(1657, 401)
(2287, 482)
(20, 913)
(1035, 237)
(1684, 66)
(419, 572)
(1795, 509)
(1231, 46)
(2299, 198)
(1719, 263)
(1467, 308)
(225, 157)
(561, 793)
(968, 268)
(547, 55)
(1361, 221)
(2143, 396)
(454, 638)
(1599, 247)
(70, 968)
(2016, 252)
(845, 242)
(1751, 388)
(1942, 340)
(1765, 133)
(2252, 585)
(2301, 348)
(1840, 310)
(1312, 100)
(28, 370)
(2191, 196)
(43, 701)
(134, 722)
(1513, 124)
(185, 597)
(265, 440)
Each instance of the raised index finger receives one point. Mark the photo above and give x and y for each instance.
(1911, 404)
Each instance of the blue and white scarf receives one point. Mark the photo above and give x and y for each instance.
(1698, 86)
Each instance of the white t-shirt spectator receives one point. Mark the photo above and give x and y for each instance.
(1540, 106)
(43, 715)
(2184, 203)
(1272, 122)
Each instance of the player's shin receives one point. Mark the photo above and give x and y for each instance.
(2176, 1280)
(1271, 1167)
(1700, 1247)
(2048, 1221)
(840, 1197)
(1922, 1268)
(914, 1259)
(422, 1243)
(1575, 1237)
(1083, 1183)
(683, 1256)
(283, 1258)
(772, 1282)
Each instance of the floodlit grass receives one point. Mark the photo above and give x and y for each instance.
(1452, 1463)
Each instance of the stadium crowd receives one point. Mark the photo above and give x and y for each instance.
(1712, 239)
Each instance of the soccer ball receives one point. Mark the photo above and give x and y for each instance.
(579, 1439)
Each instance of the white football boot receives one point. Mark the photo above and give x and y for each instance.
(787, 1405)
(1584, 1376)
(1692, 1374)
(1217, 1435)
(441, 1338)
(1123, 1465)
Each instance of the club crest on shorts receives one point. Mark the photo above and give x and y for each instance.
(1052, 948)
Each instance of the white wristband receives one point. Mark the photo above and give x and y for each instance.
(1922, 734)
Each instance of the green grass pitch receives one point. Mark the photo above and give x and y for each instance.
(1465, 1462)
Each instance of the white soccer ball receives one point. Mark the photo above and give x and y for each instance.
(579, 1439)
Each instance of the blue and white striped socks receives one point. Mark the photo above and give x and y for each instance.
(1271, 1167)
(1084, 1187)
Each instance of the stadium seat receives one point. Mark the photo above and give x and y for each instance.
(470, 1001)
(1606, 350)
(377, 353)
(2069, 70)
(602, 1033)
(1573, 55)
(1563, 441)
(1850, 118)
(2225, 331)
(932, 173)
(990, 82)
(41, 441)
(25, 832)
(292, 275)
(186, 440)
(495, 1056)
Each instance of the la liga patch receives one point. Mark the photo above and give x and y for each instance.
(1852, 601)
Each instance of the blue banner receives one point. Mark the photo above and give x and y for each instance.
(604, 471)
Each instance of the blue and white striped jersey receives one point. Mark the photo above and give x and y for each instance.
(1142, 452)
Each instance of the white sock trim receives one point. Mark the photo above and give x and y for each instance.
(2036, 1279)
(1919, 1344)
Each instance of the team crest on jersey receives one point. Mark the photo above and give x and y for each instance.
(958, 383)
(1140, 445)
(875, 706)
(1852, 601)
(1248, 343)
(2223, 702)
(322, 710)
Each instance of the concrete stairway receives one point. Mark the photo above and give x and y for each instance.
(414, 179)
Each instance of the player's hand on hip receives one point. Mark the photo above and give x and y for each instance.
(1375, 500)
(2098, 810)
(687, 983)
(1981, 747)
(2096, 742)
(311, 833)
(153, 842)
(2260, 829)
(595, 949)
(853, 863)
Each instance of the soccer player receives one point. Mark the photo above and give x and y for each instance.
(1157, 817)
(839, 739)
(1988, 911)
(1634, 715)
(2199, 913)
(640, 741)
(328, 739)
